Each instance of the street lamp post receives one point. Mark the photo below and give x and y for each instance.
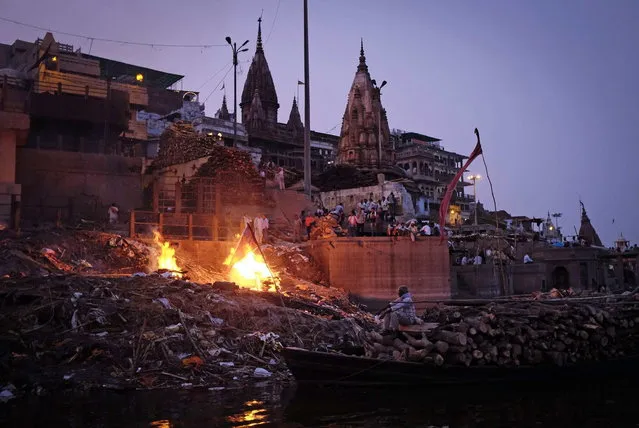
(474, 179)
(379, 122)
(235, 50)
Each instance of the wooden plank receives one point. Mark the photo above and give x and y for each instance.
(137, 94)
(137, 130)
(418, 328)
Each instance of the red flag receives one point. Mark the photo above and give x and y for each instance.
(443, 208)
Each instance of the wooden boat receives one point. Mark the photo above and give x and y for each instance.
(324, 368)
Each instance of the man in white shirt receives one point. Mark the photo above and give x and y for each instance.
(425, 230)
(478, 259)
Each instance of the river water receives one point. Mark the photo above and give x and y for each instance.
(609, 405)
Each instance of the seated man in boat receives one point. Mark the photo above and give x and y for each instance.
(400, 312)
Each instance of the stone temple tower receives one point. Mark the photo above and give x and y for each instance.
(259, 99)
(365, 135)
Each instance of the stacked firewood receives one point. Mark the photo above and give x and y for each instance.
(518, 333)
(180, 143)
(326, 227)
(229, 161)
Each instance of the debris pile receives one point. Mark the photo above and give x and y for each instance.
(514, 333)
(293, 261)
(153, 332)
(55, 251)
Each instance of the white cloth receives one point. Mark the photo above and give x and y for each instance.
(280, 179)
(426, 230)
(478, 260)
(113, 214)
(257, 228)
(527, 259)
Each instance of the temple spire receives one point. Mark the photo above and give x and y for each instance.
(223, 112)
(294, 120)
(362, 59)
(260, 48)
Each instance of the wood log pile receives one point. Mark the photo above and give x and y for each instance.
(518, 333)
(180, 143)
(326, 227)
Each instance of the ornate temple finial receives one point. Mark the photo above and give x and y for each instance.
(362, 59)
(260, 48)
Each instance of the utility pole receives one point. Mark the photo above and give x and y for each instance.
(307, 109)
(235, 50)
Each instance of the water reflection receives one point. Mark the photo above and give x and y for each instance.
(255, 415)
(611, 405)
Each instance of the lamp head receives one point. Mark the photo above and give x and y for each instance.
(228, 40)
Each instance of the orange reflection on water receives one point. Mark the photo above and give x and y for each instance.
(254, 416)
(161, 424)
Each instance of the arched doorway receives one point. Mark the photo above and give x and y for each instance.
(560, 277)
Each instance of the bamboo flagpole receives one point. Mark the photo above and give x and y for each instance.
(443, 208)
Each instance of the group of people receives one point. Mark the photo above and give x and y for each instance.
(271, 171)
(260, 226)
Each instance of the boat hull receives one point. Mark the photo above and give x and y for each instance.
(324, 368)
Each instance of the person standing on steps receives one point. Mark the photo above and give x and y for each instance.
(280, 178)
(113, 213)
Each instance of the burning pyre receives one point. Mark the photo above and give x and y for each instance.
(166, 260)
(248, 269)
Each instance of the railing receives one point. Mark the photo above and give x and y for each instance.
(205, 195)
(199, 227)
(68, 87)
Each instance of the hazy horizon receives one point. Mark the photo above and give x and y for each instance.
(551, 85)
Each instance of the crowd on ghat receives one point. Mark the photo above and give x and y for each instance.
(369, 218)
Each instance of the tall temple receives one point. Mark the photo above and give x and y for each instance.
(281, 143)
(259, 99)
(365, 135)
(586, 231)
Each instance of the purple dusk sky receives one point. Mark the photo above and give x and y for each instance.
(552, 86)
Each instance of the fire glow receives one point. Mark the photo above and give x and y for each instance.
(251, 271)
(166, 259)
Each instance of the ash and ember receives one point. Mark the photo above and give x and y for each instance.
(91, 309)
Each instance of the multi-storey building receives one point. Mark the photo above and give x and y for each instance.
(85, 103)
(89, 122)
(432, 167)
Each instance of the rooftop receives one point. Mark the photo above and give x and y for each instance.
(152, 78)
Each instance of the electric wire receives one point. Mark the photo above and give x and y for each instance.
(123, 42)
(218, 84)
(277, 9)
(213, 76)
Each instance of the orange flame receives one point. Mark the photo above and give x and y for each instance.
(251, 272)
(166, 259)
